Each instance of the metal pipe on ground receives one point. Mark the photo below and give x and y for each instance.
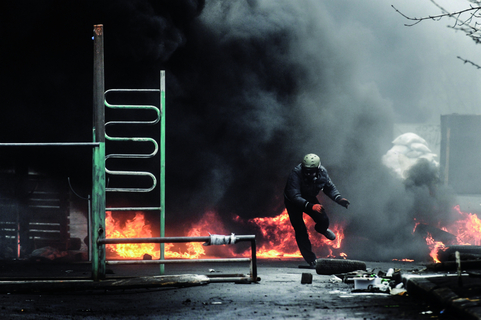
(238, 238)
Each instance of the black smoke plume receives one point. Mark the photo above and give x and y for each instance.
(252, 86)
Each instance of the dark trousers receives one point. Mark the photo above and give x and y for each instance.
(300, 229)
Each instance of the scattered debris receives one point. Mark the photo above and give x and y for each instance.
(306, 278)
(147, 257)
(335, 279)
(372, 284)
(368, 281)
(398, 290)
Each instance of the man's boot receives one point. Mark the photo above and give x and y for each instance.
(329, 234)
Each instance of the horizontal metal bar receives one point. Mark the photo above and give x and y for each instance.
(173, 261)
(134, 209)
(168, 239)
(232, 279)
(222, 275)
(43, 207)
(132, 174)
(132, 90)
(51, 144)
(3, 282)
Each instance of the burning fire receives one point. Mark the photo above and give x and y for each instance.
(278, 235)
(281, 239)
(403, 260)
(467, 230)
(434, 247)
(210, 222)
(131, 228)
(278, 239)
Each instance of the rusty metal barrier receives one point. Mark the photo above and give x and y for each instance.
(225, 278)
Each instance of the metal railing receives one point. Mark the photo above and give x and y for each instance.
(224, 278)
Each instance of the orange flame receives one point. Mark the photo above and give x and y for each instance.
(209, 223)
(277, 234)
(132, 228)
(434, 247)
(280, 239)
(467, 230)
(403, 260)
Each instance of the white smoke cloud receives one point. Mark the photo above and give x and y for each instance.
(407, 150)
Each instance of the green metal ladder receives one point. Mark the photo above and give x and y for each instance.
(99, 157)
(159, 117)
(99, 189)
(99, 267)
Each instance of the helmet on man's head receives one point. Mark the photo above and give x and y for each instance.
(311, 161)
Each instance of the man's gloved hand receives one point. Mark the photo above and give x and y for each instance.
(344, 202)
(317, 208)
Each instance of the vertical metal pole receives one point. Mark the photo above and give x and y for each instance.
(446, 162)
(89, 227)
(98, 158)
(162, 166)
(254, 260)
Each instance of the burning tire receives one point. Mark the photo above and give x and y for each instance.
(334, 266)
(466, 252)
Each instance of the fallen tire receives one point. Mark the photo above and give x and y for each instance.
(464, 250)
(334, 266)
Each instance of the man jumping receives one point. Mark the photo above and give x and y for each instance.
(300, 195)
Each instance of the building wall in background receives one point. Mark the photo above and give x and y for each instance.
(460, 152)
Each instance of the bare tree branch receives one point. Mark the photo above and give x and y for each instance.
(470, 62)
(438, 17)
(467, 20)
(418, 20)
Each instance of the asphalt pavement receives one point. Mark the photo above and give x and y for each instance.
(52, 290)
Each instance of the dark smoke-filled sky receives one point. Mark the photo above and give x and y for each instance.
(252, 86)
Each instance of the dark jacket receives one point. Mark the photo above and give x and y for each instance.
(302, 193)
